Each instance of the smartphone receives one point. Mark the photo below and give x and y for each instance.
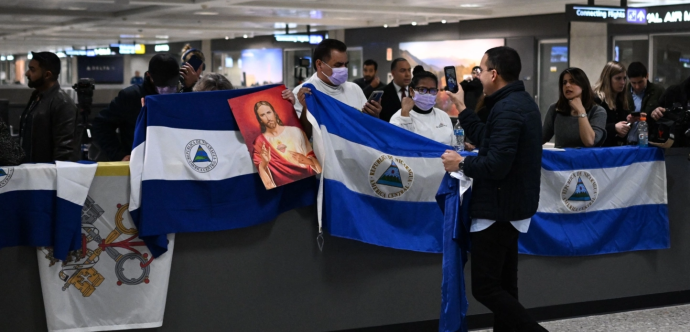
(195, 62)
(451, 79)
(635, 113)
(376, 95)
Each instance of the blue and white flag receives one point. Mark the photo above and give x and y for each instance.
(599, 201)
(173, 191)
(41, 205)
(379, 181)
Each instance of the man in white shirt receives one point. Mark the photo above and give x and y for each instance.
(330, 62)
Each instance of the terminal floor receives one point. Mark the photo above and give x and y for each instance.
(665, 319)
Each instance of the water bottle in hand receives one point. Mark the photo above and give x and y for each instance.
(458, 137)
(643, 132)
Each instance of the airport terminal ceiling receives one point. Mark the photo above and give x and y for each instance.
(27, 25)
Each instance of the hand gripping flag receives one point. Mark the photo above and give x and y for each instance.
(191, 171)
(599, 201)
(41, 205)
(379, 181)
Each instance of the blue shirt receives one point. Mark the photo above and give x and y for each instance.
(136, 80)
(637, 99)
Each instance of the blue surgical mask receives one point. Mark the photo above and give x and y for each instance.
(165, 90)
(339, 75)
(424, 101)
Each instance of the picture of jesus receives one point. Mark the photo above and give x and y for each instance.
(282, 153)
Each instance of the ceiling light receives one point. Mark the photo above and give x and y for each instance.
(385, 25)
(469, 5)
(414, 23)
(443, 21)
(10, 57)
(75, 8)
(245, 36)
(206, 13)
(226, 37)
(162, 36)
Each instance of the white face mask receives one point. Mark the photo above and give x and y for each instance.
(339, 75)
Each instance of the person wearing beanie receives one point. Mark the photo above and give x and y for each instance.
(162, 77)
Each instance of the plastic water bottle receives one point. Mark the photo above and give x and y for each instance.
(643, 132)
(459, 137)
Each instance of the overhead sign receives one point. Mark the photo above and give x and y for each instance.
(130, 48)
(601, 14)
(668, 14)
(300, 38)
(103, 69)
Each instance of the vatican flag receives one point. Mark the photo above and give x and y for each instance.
(112, 282)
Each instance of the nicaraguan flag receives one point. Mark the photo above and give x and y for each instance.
(191, 170)
(599, 201)
(379, 181)
(41, 205)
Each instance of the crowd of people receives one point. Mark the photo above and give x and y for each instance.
(499, 117)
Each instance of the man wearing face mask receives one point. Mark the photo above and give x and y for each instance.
(161, 78)
(418, 113)
(48, 125)
(330, 63)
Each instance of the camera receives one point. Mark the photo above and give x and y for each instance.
(84, 88)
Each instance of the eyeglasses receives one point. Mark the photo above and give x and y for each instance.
(432, 91)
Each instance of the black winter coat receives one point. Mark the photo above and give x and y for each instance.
(122, 114)
(507, 171)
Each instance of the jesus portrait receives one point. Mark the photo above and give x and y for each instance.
(282, 153)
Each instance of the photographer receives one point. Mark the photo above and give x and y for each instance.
(161, 78)
(673, 105)
(193, 64)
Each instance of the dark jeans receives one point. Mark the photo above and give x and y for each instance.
(494, 260)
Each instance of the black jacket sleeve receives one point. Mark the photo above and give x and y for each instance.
(105, 125)
(11, 153)
(502, 148)
(64, 124)
(473, 126)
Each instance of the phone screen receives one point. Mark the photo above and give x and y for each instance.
(195, 62)
(376, 95)
(451, 79)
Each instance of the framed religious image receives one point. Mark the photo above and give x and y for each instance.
(275, 139)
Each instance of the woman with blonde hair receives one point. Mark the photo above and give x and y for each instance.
(193, 64)
(610, 93)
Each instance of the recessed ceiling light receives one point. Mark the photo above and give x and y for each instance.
(206, 13)
(245, 36)
(162, 36)
(443, 21)
(385, 25)
(226, 37)
(75, 8)
(414, 23)
(469, 5)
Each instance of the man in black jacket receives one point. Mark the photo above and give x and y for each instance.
(370, 81)
(395, 91)
(677, 98)
(122, 113)
(48, 125)
(473, 89)
(505, 192)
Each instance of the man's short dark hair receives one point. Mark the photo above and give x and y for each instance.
(395, 63)
(48, 61)
(506, 62)
(371, 62)
(637, 69)
(323, 50)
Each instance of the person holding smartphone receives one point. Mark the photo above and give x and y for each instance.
(193, 64)
(418, 113)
